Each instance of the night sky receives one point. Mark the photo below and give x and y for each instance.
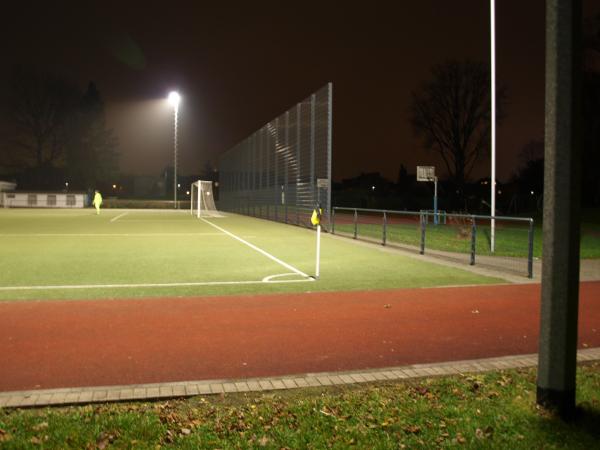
(237, 67)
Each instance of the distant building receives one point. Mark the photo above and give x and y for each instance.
(6, 186)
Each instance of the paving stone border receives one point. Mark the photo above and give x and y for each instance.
(157, 391)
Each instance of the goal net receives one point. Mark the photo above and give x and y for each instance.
(203, 202)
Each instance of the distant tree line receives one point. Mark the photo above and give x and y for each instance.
(530, 176)
(56, 133)
(372, 190)
(591, 110)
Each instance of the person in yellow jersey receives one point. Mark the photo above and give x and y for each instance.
(97, 201)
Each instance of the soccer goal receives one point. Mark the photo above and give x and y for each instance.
(202, 200)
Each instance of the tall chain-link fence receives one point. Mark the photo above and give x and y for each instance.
(283, 169)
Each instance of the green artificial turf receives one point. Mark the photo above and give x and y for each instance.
(42, 248)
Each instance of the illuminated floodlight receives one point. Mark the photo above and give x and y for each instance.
(174, 99)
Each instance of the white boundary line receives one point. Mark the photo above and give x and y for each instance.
(105, 234)
(259, 250)
(143, 285)
(114, 219)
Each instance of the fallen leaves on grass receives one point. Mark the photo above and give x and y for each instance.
(412, 429)
(459, 439)
(486, 433)
(104, 439)
(36, 440)
(504, 380)
(5, 436)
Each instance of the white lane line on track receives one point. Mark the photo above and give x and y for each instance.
(259, 250)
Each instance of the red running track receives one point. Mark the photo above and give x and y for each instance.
(112, 342)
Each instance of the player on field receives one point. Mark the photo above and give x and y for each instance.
(97, 201)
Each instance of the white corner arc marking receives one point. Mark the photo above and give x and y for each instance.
(271, 278)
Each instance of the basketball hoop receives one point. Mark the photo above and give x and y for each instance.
(426, 173)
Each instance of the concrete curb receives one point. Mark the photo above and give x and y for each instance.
(156, 391)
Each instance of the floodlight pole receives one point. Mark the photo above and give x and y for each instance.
(493, 125)
(435, 201)
(175, 159)
(174, 99)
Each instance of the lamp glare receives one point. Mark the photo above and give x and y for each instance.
(174, 98)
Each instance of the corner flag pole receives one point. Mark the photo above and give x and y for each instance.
(318, 251)
(315, 219)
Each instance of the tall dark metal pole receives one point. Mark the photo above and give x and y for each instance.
(562, 179)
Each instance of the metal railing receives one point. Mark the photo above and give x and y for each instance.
(459, 237)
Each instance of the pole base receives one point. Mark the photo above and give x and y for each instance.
(560, 402)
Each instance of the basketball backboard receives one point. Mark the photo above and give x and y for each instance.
(425, 173)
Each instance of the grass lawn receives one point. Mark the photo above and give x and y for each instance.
(492, 410)
(74, 254)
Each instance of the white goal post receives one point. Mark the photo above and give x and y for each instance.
(202, 200)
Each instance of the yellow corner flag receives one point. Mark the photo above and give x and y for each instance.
(316, 216)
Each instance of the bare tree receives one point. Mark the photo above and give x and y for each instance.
(39, 106)
(451, 112)
(54, 127)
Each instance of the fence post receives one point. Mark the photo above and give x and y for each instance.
(384, 228)
(473, 240)
(355, 224)
(333, 221)
(530, 253)
(422, 252)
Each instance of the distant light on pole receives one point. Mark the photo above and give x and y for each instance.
(174, 99)
(493, 120)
